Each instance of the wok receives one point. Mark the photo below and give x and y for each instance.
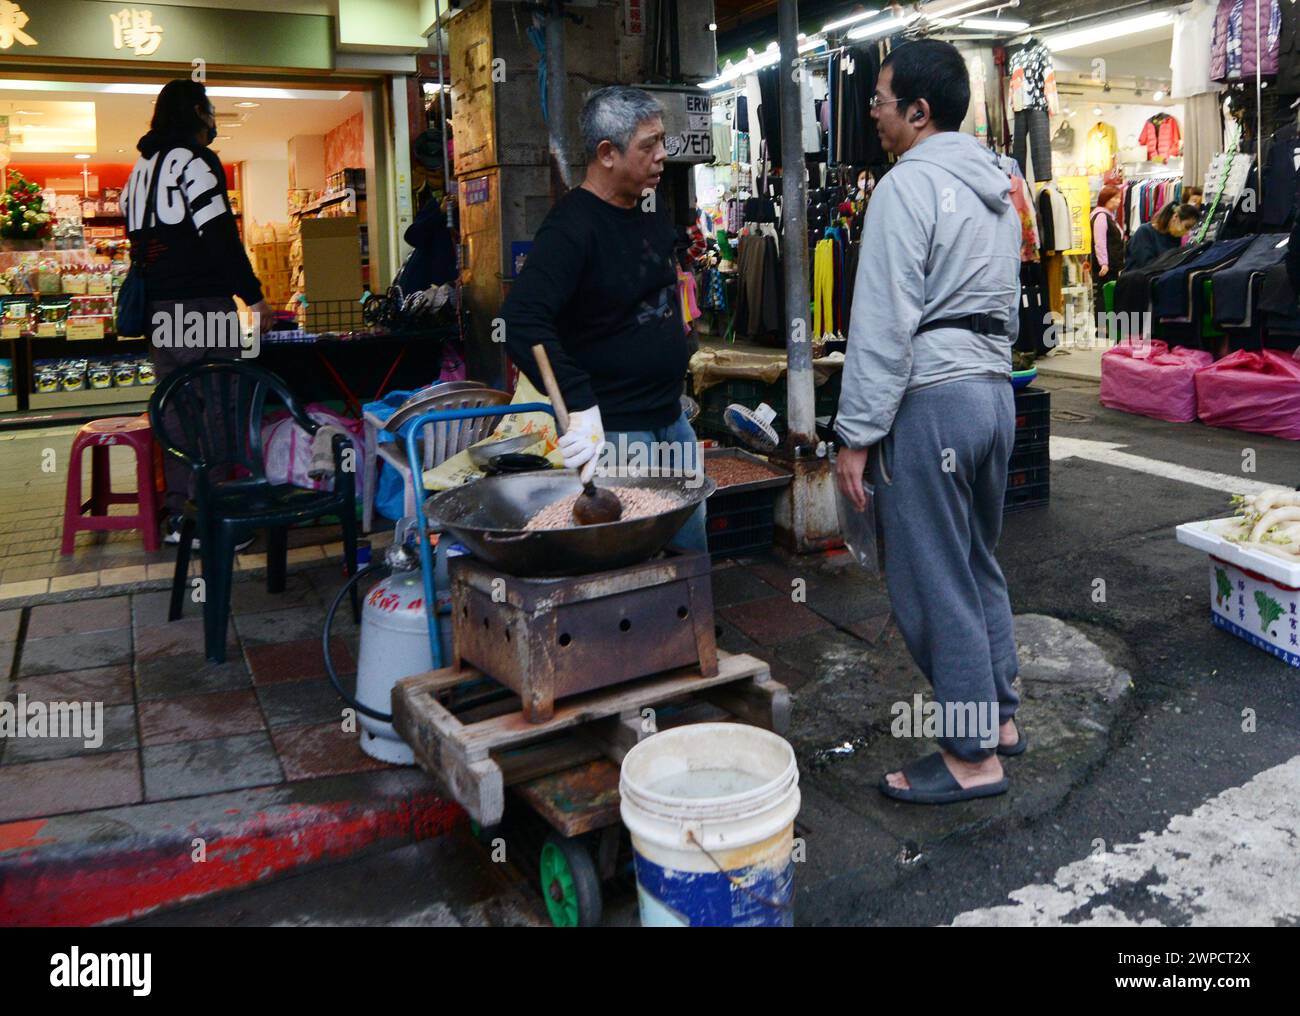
(488, 517)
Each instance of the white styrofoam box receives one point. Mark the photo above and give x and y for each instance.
(1253, 595)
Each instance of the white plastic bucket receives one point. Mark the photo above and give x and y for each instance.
(722, 860)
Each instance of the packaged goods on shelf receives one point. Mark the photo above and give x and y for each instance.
(6, 377)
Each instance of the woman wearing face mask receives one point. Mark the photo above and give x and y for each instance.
(185, 242)
(1162, 233)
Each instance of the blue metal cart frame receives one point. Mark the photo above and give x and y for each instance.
(416, 427)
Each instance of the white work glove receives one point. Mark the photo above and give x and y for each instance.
(580, 443)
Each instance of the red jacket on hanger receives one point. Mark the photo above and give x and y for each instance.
(1162, 137)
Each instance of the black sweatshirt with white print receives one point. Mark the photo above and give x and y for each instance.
(192, 248)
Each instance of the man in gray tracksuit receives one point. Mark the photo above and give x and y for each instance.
(927, 385)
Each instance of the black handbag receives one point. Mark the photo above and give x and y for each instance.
(132, 309)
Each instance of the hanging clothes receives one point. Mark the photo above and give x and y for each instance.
(1162, 137)
(1193, 41)
(1288, 49)
(1024, 205)
(823, 289)
(1203, 120)
(1033, 79)
(1235, 52)
(1033, 99)
(1100, 149)
(854, 138)
(1055, 226)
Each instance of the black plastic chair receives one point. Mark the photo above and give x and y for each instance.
(209, 415)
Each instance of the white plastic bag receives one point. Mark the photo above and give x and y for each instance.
(286, 448)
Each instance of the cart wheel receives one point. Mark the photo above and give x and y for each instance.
(570, 885)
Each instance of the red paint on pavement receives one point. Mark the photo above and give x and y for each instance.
(21, 835)
(86, 890)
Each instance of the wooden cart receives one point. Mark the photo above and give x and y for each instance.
(471, 736)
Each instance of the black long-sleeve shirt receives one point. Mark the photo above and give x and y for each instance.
(193, 249)
(599, 291)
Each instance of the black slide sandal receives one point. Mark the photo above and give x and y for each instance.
(1012, 750)
(932, 783)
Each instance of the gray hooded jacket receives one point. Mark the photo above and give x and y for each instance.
(941, 239)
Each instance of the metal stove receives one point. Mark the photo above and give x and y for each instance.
(547, 638)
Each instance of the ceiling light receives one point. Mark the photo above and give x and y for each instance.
(121, 150)
(852, 19)
(248, 105)
(1096, 111)
(81, 155)
(29, 112)
(222, 137)
(882, 27)
(995, 24)
(1099, 33)
(1159, 94)
(713, 26)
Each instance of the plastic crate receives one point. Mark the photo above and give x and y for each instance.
(742, 517)
(715, 400)
(1029, 478)
(1033, 417)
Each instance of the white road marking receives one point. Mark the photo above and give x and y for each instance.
(1110, 455)
(1234, 861)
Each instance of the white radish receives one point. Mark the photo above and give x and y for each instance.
(1273, 518)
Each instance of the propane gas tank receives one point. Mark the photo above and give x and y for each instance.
(394, 645)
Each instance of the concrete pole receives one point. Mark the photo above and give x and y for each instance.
(555, 82)
(794, 233)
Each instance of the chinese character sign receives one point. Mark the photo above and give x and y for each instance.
(136, 31)
(12, 21)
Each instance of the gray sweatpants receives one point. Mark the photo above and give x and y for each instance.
(940, 479)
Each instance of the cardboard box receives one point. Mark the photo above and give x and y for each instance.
(331, 258)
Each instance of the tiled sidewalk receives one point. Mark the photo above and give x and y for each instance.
(32, 570)
(175, 725)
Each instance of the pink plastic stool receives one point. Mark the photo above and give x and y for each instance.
(98, 436)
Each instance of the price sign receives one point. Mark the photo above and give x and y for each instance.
(11, 330)
(86, 328)
(47, 330)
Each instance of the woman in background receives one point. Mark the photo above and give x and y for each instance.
(1107, 257)
(1163, 233)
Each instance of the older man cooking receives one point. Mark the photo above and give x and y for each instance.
(599, 292)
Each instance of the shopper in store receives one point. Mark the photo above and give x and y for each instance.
(188, 248)
(599, 291)
(1107, 256)
(926, 388)
(1163, 233)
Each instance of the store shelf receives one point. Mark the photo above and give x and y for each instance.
(326, 199)
(89, 397)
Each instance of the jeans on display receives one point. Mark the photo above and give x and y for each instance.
(1172, 293)
(671, 447)
(1032, 123)
(1232, 284)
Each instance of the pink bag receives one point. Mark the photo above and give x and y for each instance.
(286, 448)
(1151, 379)
(1254, 391)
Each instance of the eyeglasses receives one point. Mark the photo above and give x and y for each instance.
(876, 100)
